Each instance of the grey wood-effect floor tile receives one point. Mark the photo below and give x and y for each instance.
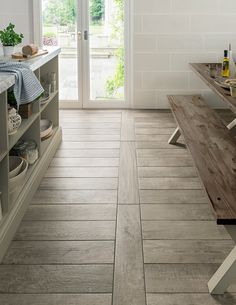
(154, 131)
(66, 230)
(82, 172)
(89, 119)
(104, 162)
(158, 145)
(156, 153)
(127, 126)
(74, 137)
(90, 145)
(98, 125)
(56, 279)
(56, 299)
(179, 172)
(74, 196)
(71, 212)
(176, 212)
(183, 230)
(170, 183)
(128, 191)
(79, 183)
(128, 277)
(154, 117)
(190, 299)
(91, 112)
(159, 138)
(166, 161)
(91, 131)
(173, 278)
(173, 196)
(59, 252)
(186, 251)
(88, 153)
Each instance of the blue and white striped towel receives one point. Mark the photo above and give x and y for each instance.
(27, 87)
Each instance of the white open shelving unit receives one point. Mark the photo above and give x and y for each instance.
(14, 207)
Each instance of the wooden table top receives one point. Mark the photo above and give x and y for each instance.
(202, 70)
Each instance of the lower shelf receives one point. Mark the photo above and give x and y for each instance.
(13, 217)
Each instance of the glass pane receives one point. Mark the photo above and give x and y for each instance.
(60, 29)
(106, 29)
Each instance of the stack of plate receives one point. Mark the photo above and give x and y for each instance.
(46, 129)
(17, 172)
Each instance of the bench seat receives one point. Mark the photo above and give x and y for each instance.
(213, 149)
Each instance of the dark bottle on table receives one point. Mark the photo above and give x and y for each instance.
(225, 66)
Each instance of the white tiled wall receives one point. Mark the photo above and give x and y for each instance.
(18, 13)
(168, 34)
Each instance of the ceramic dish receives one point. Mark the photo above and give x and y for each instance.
(17, 181)
(224, 83)
(45, 128)
(47, 136)
(43, 100)
(15, 164)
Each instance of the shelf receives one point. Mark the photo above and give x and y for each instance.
(51, 97)
(26, 123)
(46, 143)
(3, 155)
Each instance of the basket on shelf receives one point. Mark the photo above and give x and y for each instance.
(14, 121)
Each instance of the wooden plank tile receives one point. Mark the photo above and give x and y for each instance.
(163, 161)
(170, 183)
(160, 123)
(59, 252)
(127, 126)
(91, 131)
(173, 196)
(82, 172)
(176, 212)
(88, 153)
(128, 175)
(190, 299)
(185, 278)
(181, 172)
(74, 196)
(56, 299)
(163, 145)
(129, 276)
(71, 212)
(56, 279)
(159, 138)
(183, 230)
(79, 183)
(86, 124)
(89, 119)
(186, 251)
(155, 153)
(90, 145)
(154, 131)
(66, 230)
(90, 138)
(64, 162)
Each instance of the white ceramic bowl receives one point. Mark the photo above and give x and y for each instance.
(18, 180)
(15, 164)
(45, 128)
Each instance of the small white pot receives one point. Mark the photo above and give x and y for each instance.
(8, 50)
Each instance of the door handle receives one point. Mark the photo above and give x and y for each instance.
(85, 35)
(79, 34)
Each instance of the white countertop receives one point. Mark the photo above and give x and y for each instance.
(6, 81)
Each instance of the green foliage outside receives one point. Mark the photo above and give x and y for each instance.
(61, 12)
(117, 82)
(9, 37)
(97, 8)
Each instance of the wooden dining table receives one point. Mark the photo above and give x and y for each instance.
(202, 70)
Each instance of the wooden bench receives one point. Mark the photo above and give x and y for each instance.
(213, 149)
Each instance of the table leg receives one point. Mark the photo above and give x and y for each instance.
(226, 274)
(232, 126)
(175, 136)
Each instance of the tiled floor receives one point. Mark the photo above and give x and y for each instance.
(119, 219)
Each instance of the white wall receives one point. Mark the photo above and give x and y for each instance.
(171, 33)
(19, 13)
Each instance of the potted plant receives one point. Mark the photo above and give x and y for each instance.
(9, 39)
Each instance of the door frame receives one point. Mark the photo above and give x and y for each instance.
(83, 48)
